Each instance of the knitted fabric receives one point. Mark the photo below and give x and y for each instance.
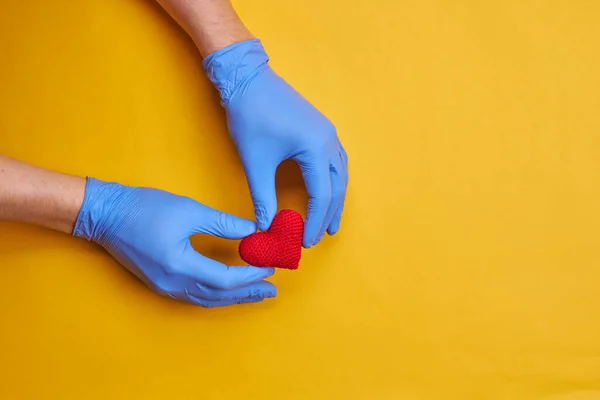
(279, 247)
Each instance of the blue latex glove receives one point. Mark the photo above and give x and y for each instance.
(148, 230)
(270, 122)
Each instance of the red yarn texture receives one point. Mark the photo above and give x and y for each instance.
(279, 247)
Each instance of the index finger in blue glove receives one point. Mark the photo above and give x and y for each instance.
(318, 185)
(217, 223)
(261, 180)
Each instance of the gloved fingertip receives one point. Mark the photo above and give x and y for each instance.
(334, 227)
(263, 219)
(265, 211)
(262, 225)
(307, 243)
(259, 273)
(227, 226)
(248, 228)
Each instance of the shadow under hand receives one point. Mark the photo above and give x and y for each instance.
(222, 250)
(291, 192)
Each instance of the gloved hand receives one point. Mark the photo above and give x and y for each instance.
(148, 230)
(270, 122)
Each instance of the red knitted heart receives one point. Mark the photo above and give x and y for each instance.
(279, 247)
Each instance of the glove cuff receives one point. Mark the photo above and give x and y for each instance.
(231, 67)
(93, 208)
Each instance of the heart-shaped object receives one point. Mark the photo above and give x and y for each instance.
(278, 247)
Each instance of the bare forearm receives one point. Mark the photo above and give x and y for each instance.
(212, 24)
(34, 195)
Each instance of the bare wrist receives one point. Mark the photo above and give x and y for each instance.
(212, 24)
(37, 196)
(209, 42)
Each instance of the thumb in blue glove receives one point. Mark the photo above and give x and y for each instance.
(270, 122)
(148, 230)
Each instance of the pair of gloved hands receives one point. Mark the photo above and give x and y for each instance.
(148, 230)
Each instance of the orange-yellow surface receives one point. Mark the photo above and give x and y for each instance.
(468, 263)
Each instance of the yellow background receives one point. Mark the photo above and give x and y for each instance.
(468, 263)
